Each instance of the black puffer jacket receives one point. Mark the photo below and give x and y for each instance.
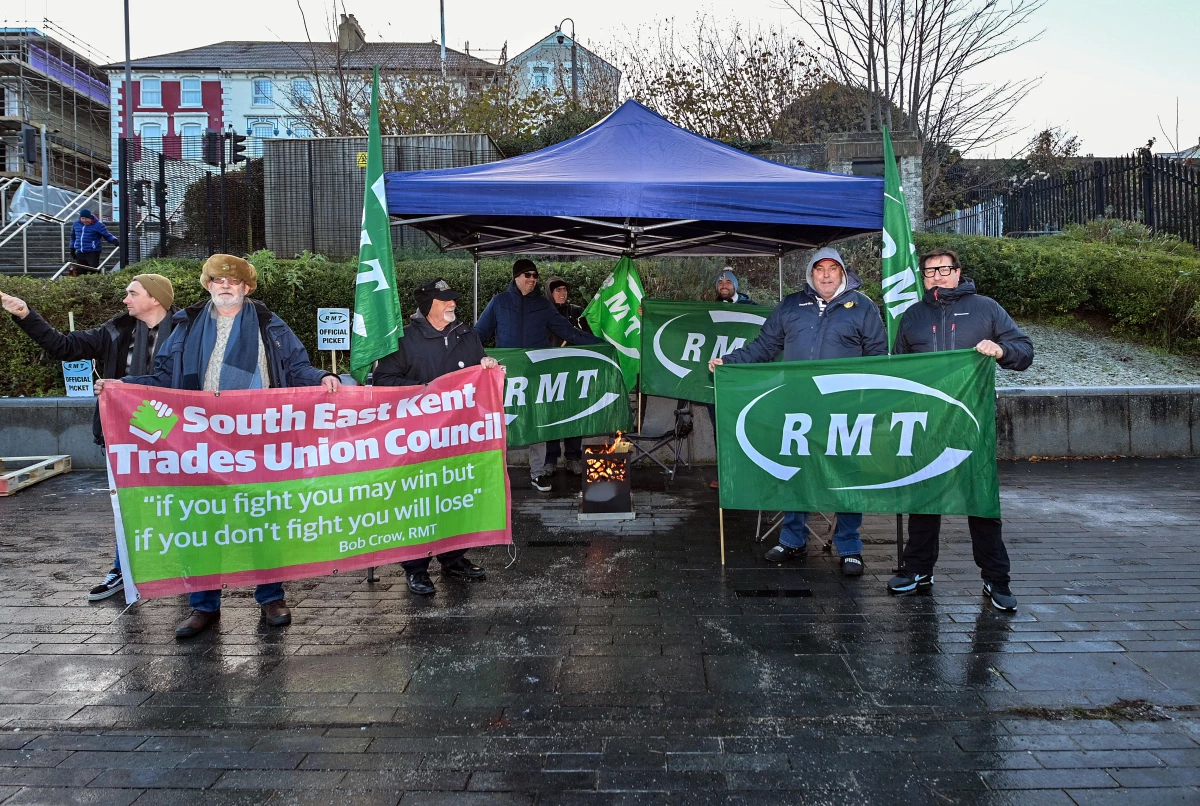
(425, 353)
(958, 319)
(109, 344)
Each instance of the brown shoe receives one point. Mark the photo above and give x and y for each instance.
(276, 613)
(196, 623)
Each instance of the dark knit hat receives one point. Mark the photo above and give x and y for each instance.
(158, 287)
(86, 213)
(523, 265)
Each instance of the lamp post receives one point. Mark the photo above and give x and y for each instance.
(574, 60)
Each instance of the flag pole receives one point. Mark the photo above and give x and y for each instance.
(721, 518)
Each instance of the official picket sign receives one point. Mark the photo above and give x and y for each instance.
(560, 392)
(247, 487)
(77, 376)
(333, 328)
(679, 338)
(909, 434)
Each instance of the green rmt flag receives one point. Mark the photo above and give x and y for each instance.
(376, 304)
(900, 269)
(613, 315)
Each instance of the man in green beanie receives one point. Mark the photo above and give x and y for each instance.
(124, 345)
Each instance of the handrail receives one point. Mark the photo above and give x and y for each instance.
(22, 222)
(99, 268)
(75, 198)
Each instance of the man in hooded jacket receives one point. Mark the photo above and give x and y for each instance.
(830, 318)
(558, 292)
(951, 316)
(434, 344)
(520, 317)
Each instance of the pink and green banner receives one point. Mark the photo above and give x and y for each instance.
(240, 488)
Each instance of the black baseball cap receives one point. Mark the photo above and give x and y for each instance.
(430, 290)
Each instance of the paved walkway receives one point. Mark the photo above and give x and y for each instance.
(625, 666)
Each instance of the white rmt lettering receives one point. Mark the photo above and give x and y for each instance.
(907, 420)
(795, 426)
(514, 391)
(723, 346)
(552, 391)
(691, 349)
(847, 437)
(585, 377)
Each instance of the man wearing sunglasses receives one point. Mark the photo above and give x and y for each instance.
(951, 316)
(517, 317)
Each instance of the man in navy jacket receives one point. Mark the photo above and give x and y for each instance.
(86, 235)
(951, 316)
(517, 317)
(830, 318)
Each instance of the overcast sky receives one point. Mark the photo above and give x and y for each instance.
(1110, 66)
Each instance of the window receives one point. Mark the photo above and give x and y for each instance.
(152, 136)
(302, 131)
(263, 130)
(302, 91)
(189, 92)
(193, 144)
(262, 92)
(151, 92)
(541, 78)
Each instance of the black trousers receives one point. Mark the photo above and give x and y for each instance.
(554, 449)
(422, 563)
(921, 553)
(91, 259)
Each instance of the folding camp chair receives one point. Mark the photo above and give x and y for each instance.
(646, 446)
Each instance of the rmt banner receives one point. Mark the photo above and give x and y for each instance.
(679, 338)
(237, 488)
(910, 433)
(559, 392)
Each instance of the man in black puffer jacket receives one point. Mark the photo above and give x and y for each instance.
(951, 316)
(434, 344)
(124, 345)
(830, 318)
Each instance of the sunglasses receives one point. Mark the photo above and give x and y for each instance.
(530, 274)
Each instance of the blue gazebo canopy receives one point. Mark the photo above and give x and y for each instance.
(635, 184)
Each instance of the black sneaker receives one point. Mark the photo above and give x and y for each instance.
(906, 583)
(541, 484)
(111, 586)
(1002, 598)
(462, 568)
(420, 583)
(783, 554)
(852, 565)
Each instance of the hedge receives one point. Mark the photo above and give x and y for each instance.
(1146, 290)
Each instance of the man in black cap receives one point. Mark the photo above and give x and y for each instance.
(517, 317)
(434, 344)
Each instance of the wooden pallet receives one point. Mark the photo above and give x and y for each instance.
(32, 470)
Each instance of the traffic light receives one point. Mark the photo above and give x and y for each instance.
(29, 139)
(237, 148)
(160, 194)
(139, 193)
(214, 148)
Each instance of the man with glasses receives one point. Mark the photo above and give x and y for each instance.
(517, 317)
(951, 316)
(231, 342)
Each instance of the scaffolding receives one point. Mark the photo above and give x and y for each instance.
(55, 81)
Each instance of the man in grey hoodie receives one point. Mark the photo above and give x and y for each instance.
(830, 318)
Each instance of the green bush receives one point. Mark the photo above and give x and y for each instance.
(1147, 287)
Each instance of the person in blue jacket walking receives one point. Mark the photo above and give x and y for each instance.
(517, 317)
(830, 318)
(86, 235)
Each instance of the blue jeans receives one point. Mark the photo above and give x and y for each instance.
(210, 601)
(117, 561)
(845, 537)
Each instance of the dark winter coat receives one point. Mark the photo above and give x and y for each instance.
(109, 344)
(738, 298)
(571, 312)
(87, 237)
(521, 320)
(849, 327)
(425, 353)
(958, 319)
(287, 360)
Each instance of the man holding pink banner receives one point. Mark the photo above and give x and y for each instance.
(221, 345)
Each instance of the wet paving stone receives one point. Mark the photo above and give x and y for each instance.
(626, 665)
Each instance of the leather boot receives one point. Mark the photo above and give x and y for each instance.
(196, 623)
(276, 613)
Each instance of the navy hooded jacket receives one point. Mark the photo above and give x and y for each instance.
(521, 320)
(87, 237)
(848, 327)
(958, 319)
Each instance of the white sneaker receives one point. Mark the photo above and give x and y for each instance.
(541, 484)
(111, 586)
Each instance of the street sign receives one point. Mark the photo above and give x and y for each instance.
(333, 328)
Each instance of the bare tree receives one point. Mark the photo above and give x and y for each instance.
(922, 59)
(722, 81)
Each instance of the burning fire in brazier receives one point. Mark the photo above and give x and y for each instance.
(606, 489)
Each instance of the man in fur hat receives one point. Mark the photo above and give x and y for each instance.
(231, 342)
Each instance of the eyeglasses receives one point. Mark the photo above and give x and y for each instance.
(224, 281)
(945, 271)
(530, 275)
